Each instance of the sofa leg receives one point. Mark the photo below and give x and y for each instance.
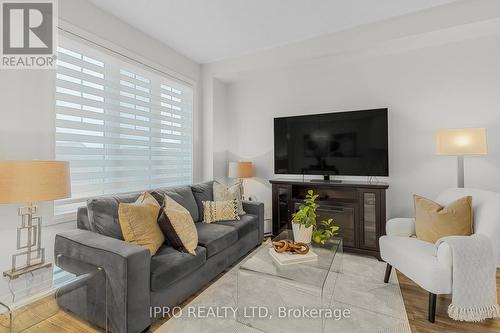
(432, 307)
(146, 330)
(388, 269)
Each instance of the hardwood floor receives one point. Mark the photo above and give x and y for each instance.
(415, 299)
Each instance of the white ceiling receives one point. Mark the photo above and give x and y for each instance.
(213, 30)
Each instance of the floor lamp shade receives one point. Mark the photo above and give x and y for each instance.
(31, 181)
(461, 142)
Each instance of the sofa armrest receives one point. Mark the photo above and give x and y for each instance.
(127, 268)
(404, 227)
(256, 208)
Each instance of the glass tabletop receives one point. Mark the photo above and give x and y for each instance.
(311, 273)
(29, 299)
(34, 285)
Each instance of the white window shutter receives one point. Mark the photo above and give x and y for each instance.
(122, 127)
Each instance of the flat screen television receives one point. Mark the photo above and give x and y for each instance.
(353, 143)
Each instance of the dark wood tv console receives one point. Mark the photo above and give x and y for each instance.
(358, 208)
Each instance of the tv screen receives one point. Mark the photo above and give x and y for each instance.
(351, 143)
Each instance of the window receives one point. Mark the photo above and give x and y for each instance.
(122, 128)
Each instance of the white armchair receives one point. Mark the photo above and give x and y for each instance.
(431, 269)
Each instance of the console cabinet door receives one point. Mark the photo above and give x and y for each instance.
(282, 207)
(370, 203)
(344, 216)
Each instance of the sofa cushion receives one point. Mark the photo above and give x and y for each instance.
(202, 192)
(182, 195)
(245, 225)
(103, 214)
(215, 237)
(169, 265)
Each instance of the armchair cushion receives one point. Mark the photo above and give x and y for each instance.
(418, 261)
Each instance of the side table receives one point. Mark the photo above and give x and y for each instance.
(36, 296)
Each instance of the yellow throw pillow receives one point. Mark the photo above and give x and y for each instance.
(214, 211)
(178, 226)
(138, 222)
(433, 221)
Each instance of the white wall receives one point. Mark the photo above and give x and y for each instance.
(220, 124)
(445, 77)
(448, 86)
(27, 106)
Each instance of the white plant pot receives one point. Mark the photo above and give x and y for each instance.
(302, 234)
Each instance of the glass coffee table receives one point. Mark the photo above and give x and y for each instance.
(279, 298)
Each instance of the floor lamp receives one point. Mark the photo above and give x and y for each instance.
(29, 182)
(461, 142)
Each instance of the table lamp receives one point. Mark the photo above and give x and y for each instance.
(240, 170)
(461, 142)
(29, 182)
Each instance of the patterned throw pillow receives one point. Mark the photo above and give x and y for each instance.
(224, 193)
(138, 222)
(214, 211)
(178, 226)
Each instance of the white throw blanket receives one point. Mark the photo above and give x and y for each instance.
(474, 278)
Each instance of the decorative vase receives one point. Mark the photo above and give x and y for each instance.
(302, 234)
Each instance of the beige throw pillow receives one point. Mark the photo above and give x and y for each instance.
(138, 222)
(433, 221)
(224, 193)
(178, 225)
(214, 211)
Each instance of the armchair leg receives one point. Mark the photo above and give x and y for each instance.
(388, 269)
(432, 307)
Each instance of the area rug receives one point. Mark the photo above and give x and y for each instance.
(374, 306)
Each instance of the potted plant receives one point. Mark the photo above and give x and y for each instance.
(304, 224)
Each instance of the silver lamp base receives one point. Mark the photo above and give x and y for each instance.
(29, 243)
(24, 270)
(460, 171)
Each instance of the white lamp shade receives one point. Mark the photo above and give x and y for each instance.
(240, 170)
(461, 141)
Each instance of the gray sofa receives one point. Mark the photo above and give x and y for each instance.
(138, 281)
